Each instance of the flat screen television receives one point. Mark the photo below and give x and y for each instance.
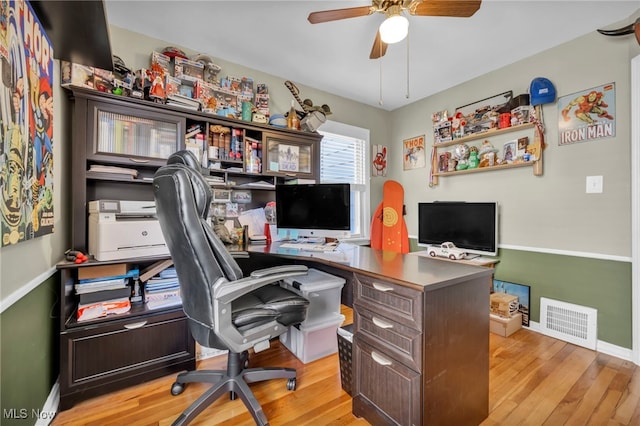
(320, 210)
(471, 226)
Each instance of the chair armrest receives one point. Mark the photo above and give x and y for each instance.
(226, 291)
(260, 273)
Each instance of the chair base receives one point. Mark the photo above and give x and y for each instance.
(233, 380)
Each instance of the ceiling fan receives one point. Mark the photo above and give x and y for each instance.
(395, 26)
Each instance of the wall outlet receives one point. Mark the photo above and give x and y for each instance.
(594, 184)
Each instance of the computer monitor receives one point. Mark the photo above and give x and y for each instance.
(471, 226)
(314, 210)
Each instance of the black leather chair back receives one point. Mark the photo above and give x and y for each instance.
(183, 198)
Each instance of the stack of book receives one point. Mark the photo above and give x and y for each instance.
(111, 172)
(102, 296)
(163, 290)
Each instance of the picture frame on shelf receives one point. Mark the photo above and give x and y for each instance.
(509, 151)
(523, 292)
(241, 196)
(221, 195)
(522, 147)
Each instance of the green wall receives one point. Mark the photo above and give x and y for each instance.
(29, 353)
(601, 284)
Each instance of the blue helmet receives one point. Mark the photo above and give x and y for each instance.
(542, 91)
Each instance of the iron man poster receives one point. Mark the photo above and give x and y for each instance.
(587, 115)
(26, 125)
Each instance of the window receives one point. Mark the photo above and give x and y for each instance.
(343, 159)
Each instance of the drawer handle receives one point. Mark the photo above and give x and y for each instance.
(135, 325)
(138, 160)
(380, 323)
(381, 287)
(380, 359)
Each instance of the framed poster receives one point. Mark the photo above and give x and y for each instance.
(288, 158)
(26, 134)
(482, 115)
(587, 115)
(522, 291)
(414, 154)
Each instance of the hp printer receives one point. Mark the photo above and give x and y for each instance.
(124, 229)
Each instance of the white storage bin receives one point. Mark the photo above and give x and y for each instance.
(323, 292)
(315, 342)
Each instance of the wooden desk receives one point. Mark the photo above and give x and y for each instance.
(421, 332)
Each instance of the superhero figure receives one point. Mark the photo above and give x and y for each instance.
(592, 103)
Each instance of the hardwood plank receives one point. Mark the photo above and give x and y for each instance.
(534, 380)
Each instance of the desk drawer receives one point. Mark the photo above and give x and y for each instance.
(402, 342)
(385, 391)
(398, 303)
(99, 359)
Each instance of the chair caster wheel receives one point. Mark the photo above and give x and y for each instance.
(177, 388)
(291, 384)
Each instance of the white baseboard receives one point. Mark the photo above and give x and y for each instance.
(50, 408)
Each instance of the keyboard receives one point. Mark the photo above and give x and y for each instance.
(308, 246)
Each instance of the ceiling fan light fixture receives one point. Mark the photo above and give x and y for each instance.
(394, 29)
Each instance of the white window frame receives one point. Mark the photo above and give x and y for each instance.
(360, 191)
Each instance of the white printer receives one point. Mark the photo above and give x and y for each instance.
(121, 229)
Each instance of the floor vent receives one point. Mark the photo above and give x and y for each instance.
(572, 323)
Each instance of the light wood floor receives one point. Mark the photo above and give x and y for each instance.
(534, 380)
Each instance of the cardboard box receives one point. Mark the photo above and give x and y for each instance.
(505, 327)
(187, 69)
(76, 74)
(503, 304)
(99, 271)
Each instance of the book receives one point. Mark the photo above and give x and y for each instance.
(104, 295)
(89, 271)
(132, 273)
(82, 288)
(162, 299)
(99, 168)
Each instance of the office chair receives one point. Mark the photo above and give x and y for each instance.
(224, 309)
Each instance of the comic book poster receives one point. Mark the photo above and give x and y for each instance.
(414, 154)
(26, 125)
(587, 115)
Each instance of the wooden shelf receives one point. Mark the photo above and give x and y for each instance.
(488, 169)
(537, 164)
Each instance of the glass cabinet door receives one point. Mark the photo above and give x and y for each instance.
(290, 157)
(138, 135)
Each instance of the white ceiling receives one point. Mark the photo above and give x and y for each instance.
(275, 37)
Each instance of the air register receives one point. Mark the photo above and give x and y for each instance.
(121, 229)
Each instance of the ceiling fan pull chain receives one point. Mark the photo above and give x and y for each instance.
(380, 101)
(407, 95)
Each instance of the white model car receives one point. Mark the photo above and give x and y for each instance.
(447, 249)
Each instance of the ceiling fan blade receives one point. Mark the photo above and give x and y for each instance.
(456, 8)
(336, 14)
(379, 47)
